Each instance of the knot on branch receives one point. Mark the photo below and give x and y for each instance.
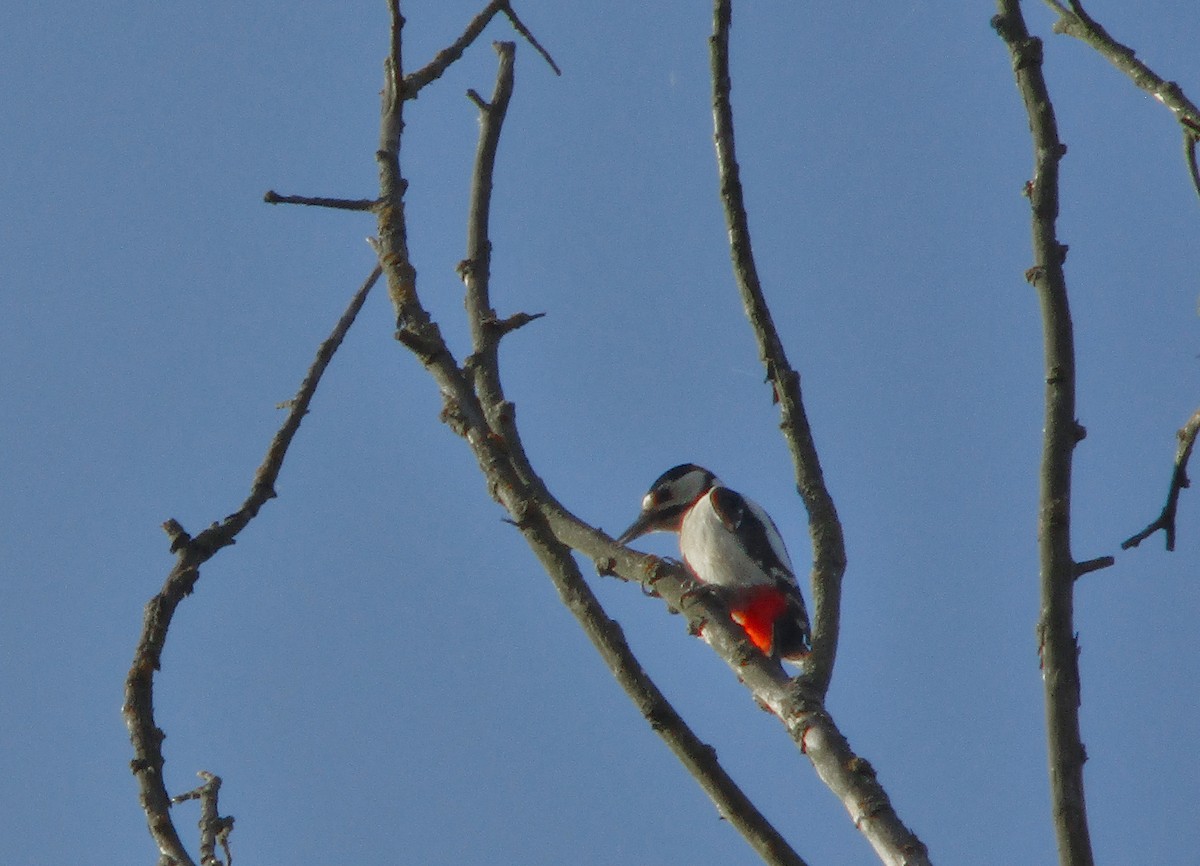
(1026, 53)
(427, 349)
(660, 717)
(861, 767)
(452, 416)
(467, 267)
(178, 535)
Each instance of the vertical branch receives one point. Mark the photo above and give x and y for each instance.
(825, 529)
(1059, 650)
(393, 232)
(475, 270)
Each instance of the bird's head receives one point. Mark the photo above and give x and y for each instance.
(668, 499)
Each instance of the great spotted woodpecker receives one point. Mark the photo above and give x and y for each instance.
(730, 543)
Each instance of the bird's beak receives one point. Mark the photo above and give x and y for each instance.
(639, 527)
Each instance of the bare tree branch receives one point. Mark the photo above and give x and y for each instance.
(520, 27)
(1100, 562)
(434, 70)
(213, 828)
(191, 553)
(392, 243)
(1189, 157)
(1074, 21)
(697, 757)
(1179, 480)
(272, 197)
(1059, 650)
(825, 530)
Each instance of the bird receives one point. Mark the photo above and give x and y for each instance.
(730, 544)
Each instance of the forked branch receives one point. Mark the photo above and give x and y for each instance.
(1073, 20)
(190, 554)
(1179, 480)
(442, 61)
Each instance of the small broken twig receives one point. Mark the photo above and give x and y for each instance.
(1179, 480)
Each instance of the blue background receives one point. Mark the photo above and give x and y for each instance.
(378, 669)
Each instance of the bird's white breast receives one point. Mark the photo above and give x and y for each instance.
(716, 555)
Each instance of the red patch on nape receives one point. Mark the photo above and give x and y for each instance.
(756, 612)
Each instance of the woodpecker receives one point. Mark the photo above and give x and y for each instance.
(728, 542)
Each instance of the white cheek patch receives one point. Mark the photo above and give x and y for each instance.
(647, 502)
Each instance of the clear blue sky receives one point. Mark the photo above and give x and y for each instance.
(378, 669)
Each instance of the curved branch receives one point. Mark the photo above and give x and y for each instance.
(825, 529)
(191, 553)
(1179, 480)
(1076, 22)
(848, 776)
(1059, 650)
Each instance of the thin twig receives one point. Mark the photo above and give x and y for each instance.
(520, 27)
(213, 828)
(1100, 562)
(272, 197)
(191, 553)
(1190, 137)
(1061, 432)
(434, 69)
(1076, 22)
(1179, 480)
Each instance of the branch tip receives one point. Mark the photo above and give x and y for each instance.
(1100, 562)
(355, 204)
(480, 103)
(520, 27)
